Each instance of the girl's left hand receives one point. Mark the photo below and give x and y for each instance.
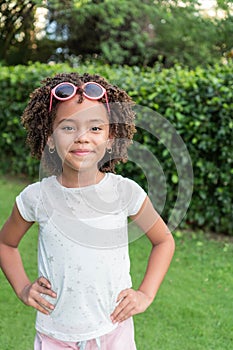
(131, 302)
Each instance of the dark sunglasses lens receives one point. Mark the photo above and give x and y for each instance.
(93, 90)
(64, 91)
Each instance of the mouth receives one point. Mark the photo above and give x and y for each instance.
(81, 152)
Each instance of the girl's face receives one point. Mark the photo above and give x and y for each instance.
(80, 134)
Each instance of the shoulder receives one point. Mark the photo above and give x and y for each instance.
(30, 190)
(34, 189)
(130, 193)
(124, 182)
(28, 200)
(31, 194)
(119, 178)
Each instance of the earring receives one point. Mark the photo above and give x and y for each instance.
(52, 150)
(109, 150)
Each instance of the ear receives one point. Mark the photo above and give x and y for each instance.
(110, 142)
(50, 142)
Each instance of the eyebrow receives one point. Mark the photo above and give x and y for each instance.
(96, 120)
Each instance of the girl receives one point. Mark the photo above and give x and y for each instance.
(80, 127)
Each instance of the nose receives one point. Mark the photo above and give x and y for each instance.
(81, 136)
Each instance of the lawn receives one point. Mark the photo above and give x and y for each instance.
(192, 311)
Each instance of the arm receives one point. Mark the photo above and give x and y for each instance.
(133, 302)
(12, 266)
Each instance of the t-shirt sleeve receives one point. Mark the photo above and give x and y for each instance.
(134, 196)
(27, 202)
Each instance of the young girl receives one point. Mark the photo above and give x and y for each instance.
(80, 127)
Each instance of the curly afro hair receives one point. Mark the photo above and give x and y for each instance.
(38, 121)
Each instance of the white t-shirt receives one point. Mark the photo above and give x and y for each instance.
(82, 250)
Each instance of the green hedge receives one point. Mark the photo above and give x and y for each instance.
(198, 103)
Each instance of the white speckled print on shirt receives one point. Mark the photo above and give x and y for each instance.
(83, 250)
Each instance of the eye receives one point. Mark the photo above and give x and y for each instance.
(96, 128)
(68, 128)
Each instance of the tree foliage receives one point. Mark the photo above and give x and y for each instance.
(141, 32)
(16, 29)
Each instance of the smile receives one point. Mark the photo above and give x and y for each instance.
(81, 152)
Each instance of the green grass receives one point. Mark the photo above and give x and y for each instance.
(192, 311)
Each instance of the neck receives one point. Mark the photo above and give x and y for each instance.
(80, 179)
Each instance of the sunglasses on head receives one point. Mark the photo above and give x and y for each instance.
(91, 90)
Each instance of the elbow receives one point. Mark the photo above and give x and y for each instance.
(173, 245)
(170, 244)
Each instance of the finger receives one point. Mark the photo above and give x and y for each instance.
(43, 282)
(127, 312)
(123, 294)
(44, 303)
(37, 301)
(120, 306)
(45, 287)
(40, 307)
(45, 291)
(119, 309)
(36, 295)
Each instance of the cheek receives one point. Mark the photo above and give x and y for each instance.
(63, 143)
(101, 147)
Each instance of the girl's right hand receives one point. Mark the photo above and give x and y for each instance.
(31, 295)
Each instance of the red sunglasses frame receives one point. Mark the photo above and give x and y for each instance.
(53, 93)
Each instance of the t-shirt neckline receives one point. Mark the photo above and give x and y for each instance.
(106, 175)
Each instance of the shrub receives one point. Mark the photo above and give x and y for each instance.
(198, 103)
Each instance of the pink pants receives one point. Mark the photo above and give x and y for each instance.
(121, 338)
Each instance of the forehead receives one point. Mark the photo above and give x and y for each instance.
(81, 111)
